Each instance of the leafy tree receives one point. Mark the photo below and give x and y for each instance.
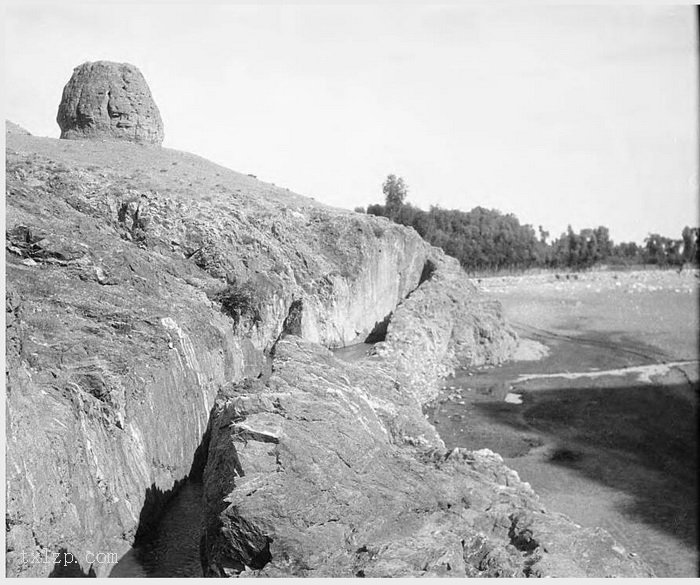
(486, 239)
(627, 253)
(376, 209)
(241, 302)
(605, 244)
(574, 248)
(424, 224)
(691, 238)
(590, 254)
(543, 251)
(674, 254)
(395, 192)
(655, 252)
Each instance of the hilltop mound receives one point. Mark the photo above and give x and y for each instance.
(169, 318)
(109, 101)
(12, 128)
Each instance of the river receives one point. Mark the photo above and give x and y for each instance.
(608, 443)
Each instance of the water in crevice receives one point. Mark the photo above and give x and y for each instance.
(171, 549)
(353, 353)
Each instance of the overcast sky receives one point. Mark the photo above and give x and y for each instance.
(585, 115)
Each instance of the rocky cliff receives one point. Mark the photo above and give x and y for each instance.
(313, 473)
(168, 317)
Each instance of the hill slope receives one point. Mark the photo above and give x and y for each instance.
(168, 317)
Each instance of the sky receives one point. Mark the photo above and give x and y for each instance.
(583, 115)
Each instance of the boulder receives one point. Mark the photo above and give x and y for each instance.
(109, 101)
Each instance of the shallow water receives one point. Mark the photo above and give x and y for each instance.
(649, 507)
(172, 549)
(353, 353)
(611, 451)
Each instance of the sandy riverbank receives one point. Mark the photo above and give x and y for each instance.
(604, 425)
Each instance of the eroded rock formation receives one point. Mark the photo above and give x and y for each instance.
(329, 468)
(310, 474)
(162, 295)
(109, 101)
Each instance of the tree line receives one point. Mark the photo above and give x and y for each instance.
(486, 240)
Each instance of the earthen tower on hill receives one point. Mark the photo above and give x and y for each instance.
(109, 101)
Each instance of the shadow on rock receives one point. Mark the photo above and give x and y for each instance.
(167, 538)
(378, 332)
(67, 565)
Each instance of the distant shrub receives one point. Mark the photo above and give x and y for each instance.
(565, 455)
(360, 210)
(240, 302)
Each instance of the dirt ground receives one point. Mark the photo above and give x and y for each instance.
(604, 426)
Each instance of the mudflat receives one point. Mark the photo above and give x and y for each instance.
(600, 413)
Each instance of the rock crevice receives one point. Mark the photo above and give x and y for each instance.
(117, 343)
(344, 478)
(126, 355)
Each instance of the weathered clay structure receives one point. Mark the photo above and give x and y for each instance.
(109, 101)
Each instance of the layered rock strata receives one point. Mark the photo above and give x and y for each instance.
(117, 337)
(329, 468)
(144, 283)
(109, 101)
